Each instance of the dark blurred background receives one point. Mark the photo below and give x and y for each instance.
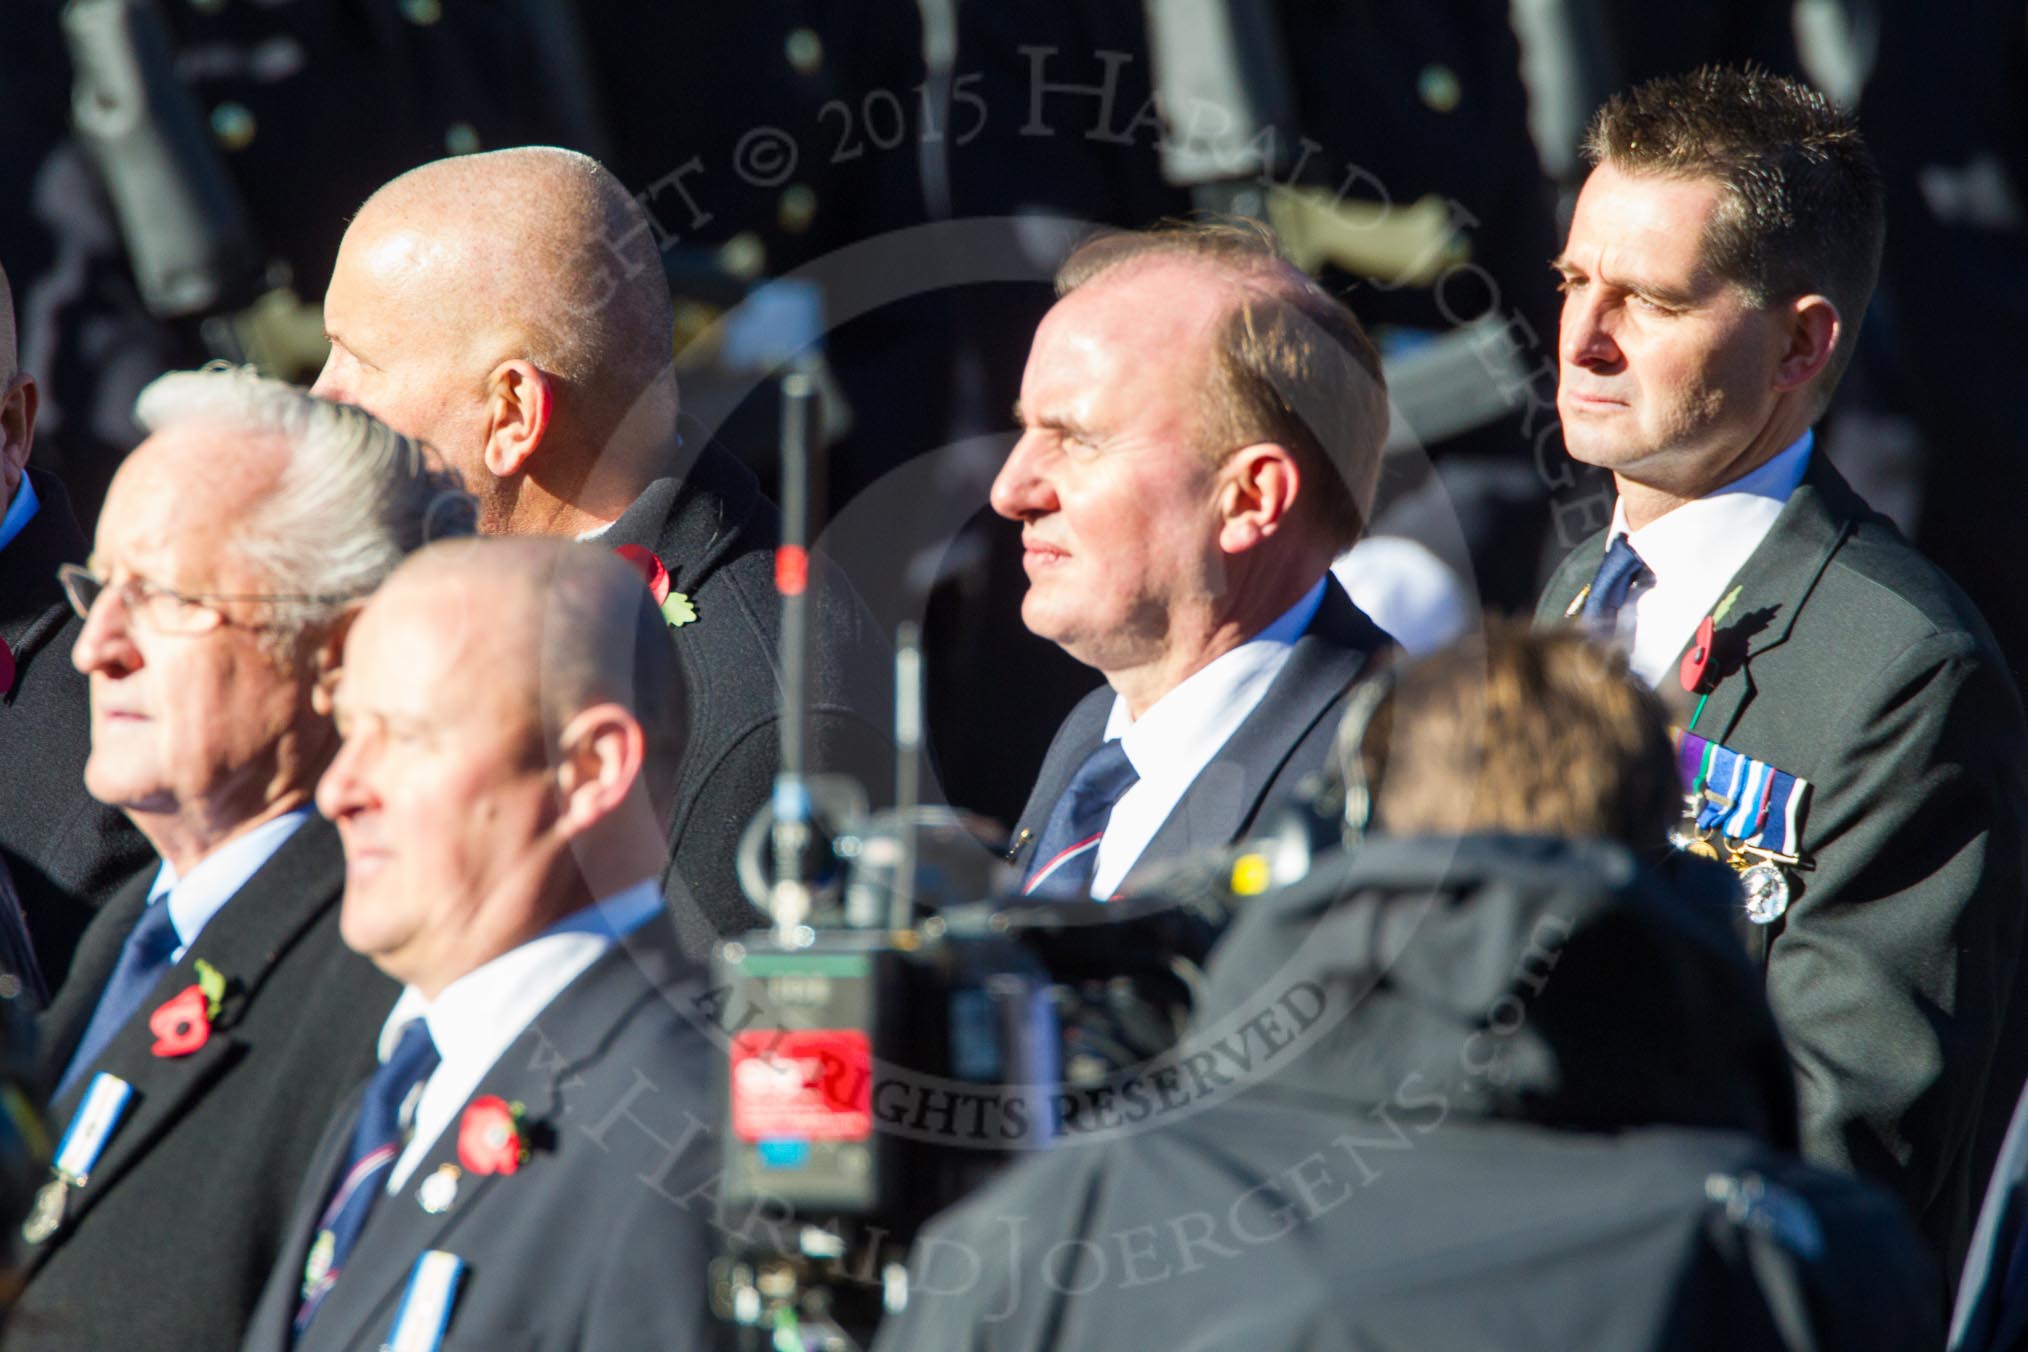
(887, 185)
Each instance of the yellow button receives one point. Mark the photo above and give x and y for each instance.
(1250, 875)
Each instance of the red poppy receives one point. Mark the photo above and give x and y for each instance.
(650, 568)
(182, 1024)
(490, 1136)
(1696, 662)
(6, 667)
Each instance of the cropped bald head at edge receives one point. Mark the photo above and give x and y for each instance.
(454, 272)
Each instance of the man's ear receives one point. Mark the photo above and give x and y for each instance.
(17, 432)
(329, 660)
(1814, 328)
(1257, 489)
(599, 761)
(520, 400)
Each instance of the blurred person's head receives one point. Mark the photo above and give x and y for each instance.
(1201, 436)
(17, 402)
(1720, 257)
(505, 706)
(510, 309)
(235, 543)
(1514, 732)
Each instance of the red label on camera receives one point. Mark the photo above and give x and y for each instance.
(792, 570)
(816, 1084)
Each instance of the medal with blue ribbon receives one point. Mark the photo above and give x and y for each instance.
(98, 1115)
(425, 1310)
(1740, 810)
(1746, 812)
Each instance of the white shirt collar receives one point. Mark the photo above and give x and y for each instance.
(219, 876)
(1213, 686)
(480, 1005)
(1694, 552)
(1171, 743)
(475, 1019)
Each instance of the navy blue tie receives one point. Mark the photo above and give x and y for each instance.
(143, 958)
(1616, 577)
(1067, 854)
(379, 1135)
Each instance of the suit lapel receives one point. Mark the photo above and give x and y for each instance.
(1773, 585)
(243, 941)
(535, 1071)
(1568, 580)
(98, 952)
(1229, 790)
(318, 1181)
(359, 1312)
(689, 520)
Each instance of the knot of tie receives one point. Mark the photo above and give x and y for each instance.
(1618, 574)
(413, 1060)
(1067, 853)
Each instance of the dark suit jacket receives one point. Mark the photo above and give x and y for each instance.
(1852, 661)
(168, 1243)
(716, 534)
(1286, 739)
(68, 853)
(590, 1244)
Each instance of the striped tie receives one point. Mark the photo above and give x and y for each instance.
(1067, 854)
(378, 1137)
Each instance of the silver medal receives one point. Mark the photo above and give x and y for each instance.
(439, 1190)
(1767, 893)
(47, 1213)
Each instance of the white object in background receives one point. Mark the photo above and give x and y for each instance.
(1407, 590)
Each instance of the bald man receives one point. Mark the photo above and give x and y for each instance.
(510, 308)
(66, 851)
(503, 704)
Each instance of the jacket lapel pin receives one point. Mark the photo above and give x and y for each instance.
(440, 1190)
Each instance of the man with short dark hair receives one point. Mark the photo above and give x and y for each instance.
(1201, 433)
(213, 1016)
(68, 853)
(1420, 1103)
(503, 703)
(1853, 745)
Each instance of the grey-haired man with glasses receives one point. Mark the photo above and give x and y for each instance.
(212, 1015)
